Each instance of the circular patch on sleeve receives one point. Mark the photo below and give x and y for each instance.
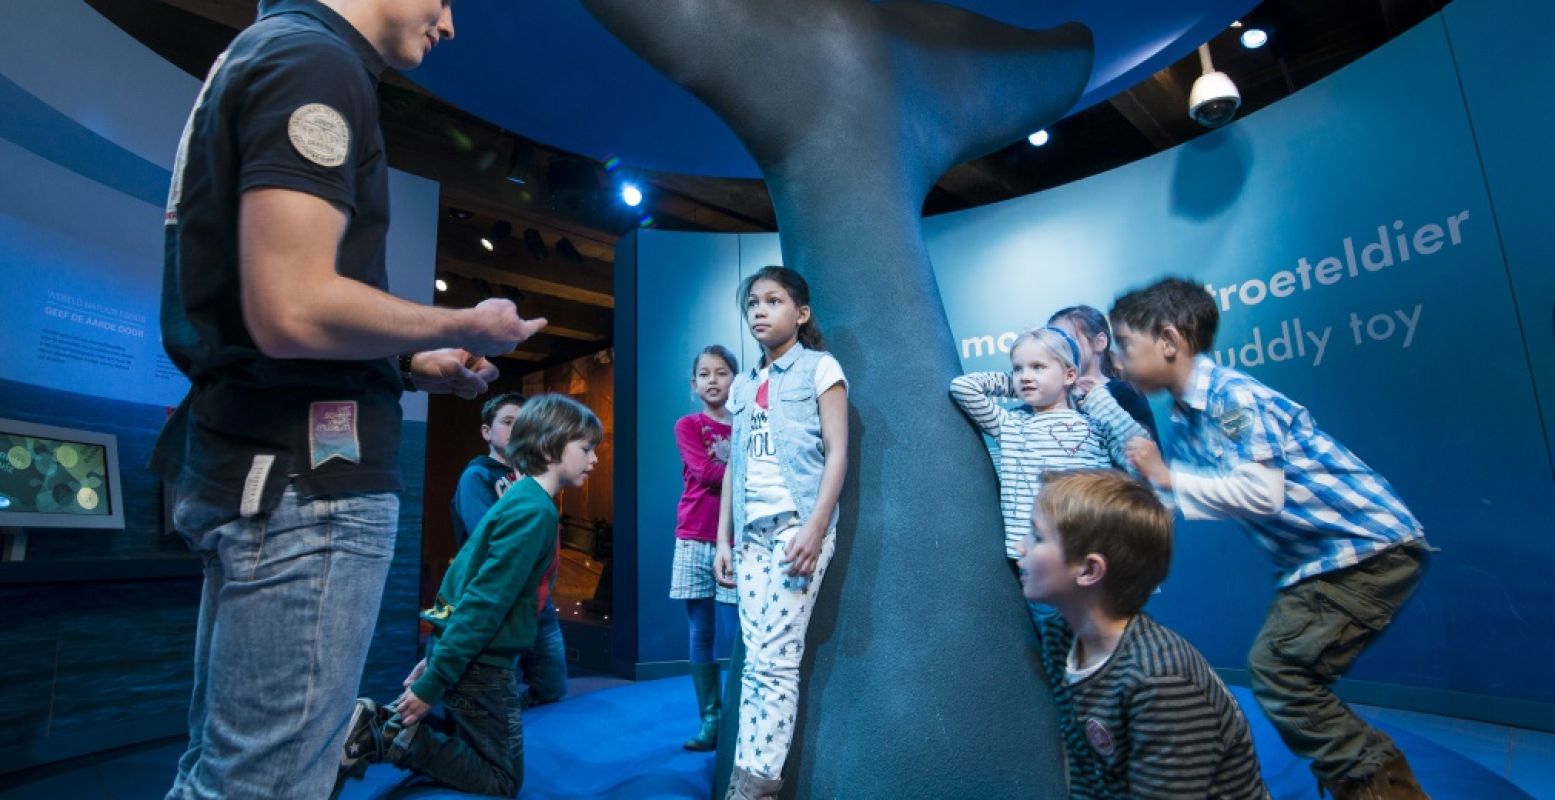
(1099, 737)
(320, 134)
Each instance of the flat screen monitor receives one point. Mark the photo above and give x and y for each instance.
(53, 477)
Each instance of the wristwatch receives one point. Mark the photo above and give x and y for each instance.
(406, 376)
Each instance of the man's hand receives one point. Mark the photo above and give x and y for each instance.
(451, 371)
(1146, 458)
(494, 327)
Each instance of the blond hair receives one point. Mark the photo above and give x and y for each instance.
(1107, 513)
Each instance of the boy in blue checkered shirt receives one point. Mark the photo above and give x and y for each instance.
(1349, 550)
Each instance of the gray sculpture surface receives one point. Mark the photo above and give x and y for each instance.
(921, 679)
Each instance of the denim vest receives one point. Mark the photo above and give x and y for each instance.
(795, 418)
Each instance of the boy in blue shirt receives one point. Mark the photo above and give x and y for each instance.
(1350, 552)
(483, 619)
(543, 669)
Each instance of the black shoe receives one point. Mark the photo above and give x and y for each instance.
(365, 739)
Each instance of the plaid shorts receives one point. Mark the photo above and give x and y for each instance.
(691, 578)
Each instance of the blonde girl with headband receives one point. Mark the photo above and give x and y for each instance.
(1053, 428)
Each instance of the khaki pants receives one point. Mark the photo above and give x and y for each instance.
(1313, 633)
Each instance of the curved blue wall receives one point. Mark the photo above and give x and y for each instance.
(1376, 244)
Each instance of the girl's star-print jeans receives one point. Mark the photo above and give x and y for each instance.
(773, 620)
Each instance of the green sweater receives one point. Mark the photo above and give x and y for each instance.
(485, 608)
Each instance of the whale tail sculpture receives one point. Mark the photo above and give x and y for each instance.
(920, 650)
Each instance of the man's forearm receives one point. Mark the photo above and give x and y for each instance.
(341, 318)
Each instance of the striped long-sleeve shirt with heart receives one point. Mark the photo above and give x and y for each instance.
(1027, 444)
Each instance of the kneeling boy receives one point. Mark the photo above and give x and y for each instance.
(483, 619)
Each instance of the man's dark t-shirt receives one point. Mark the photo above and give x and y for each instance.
(291, 104)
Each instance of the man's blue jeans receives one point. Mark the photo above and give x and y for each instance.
(290, 602)
(543, 669)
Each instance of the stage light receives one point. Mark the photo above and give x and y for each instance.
(499, 230)
(631, 195)
(1039, 138)
(1254, 38)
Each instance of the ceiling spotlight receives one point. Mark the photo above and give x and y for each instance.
(1213, 101)
(499, 230)
(442, 285)
(631, 195)
(1039, 138)
(1254, 38)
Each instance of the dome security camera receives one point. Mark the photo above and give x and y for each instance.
(1213, 101)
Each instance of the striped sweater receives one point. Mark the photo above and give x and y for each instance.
(1027, 444)
(1153, 722)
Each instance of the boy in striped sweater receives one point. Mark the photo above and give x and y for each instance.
(1142, 714)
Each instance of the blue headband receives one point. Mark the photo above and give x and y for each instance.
(1074, 347)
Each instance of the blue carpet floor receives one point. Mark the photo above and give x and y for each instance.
(624, 742)
(613, 739)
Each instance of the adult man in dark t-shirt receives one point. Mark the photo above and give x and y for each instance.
(542, 669)
(284, 454)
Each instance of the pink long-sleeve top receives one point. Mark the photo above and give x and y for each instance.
(704, 455)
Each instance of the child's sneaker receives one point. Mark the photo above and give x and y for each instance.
(365, 740)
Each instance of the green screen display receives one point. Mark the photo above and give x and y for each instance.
(52, 476)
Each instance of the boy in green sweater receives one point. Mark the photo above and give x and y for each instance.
(483, 619)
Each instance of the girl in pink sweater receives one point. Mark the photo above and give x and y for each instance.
(703, 438)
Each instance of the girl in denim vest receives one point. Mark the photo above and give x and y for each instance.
(778, 513)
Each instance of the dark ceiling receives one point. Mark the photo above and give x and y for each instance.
(566, 217)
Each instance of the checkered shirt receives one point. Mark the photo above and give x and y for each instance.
(1338, 511)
